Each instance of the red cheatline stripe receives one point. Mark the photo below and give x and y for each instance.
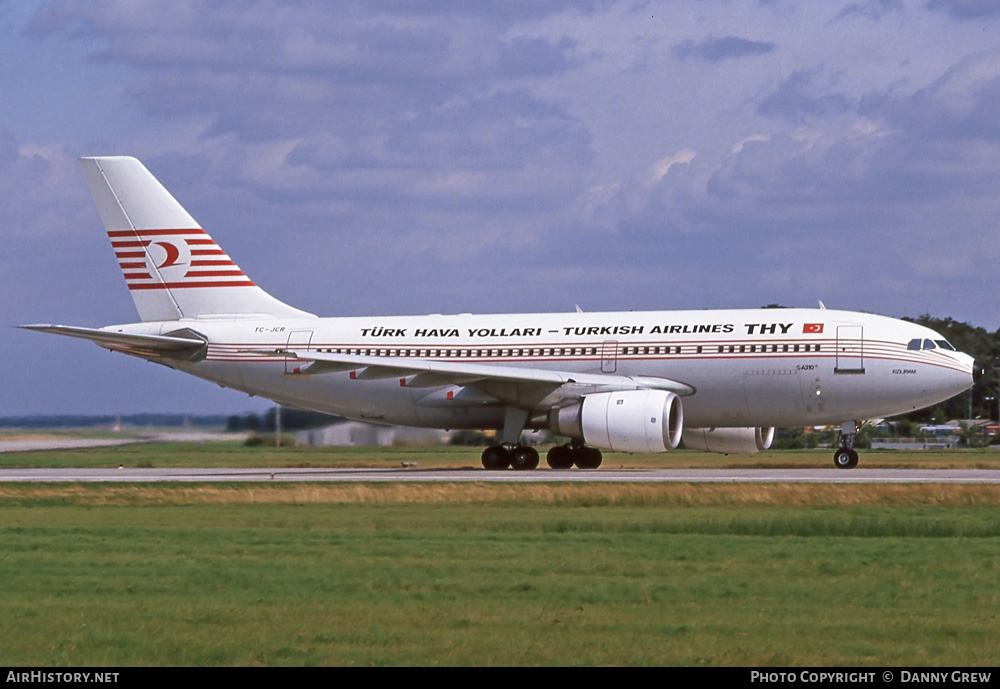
(199, 241)
(212, 263)
(184, 285)
(138, 276)
(207, 252)
(130, 254)
(122, 245)
(132, 266)
(152, 233)
(214, 273)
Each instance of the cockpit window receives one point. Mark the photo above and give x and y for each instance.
(917, 344)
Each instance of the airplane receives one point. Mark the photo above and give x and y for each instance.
(618, 381)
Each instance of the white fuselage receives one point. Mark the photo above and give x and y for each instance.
(628, 381)
(768, 367)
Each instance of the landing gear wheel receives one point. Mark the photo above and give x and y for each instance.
(845, 458)
(560, 457)
(523, 458)
(588, 457)
(496, 457)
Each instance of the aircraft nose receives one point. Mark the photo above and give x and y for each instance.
(977, 371)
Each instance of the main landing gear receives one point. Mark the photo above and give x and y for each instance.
(523, 458)
(517, 457)
(565, 456)
(511, 453)
(846, 457)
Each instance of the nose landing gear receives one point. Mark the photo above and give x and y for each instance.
(846, 457)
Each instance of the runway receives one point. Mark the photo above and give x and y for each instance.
(414, 475)
(70, 442)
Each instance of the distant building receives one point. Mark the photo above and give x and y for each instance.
(945, 442)
(950, 428)
(357, 433)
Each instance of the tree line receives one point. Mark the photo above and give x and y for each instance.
(985, 347)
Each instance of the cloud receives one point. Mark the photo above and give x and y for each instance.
(30, 175)
(663, 165)
(802, 96)
(966, 9)
(874, 9)
(454, 156)
(718, 49)
(533, 57)
(964, 103)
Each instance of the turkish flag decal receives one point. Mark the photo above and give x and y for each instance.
(812, 328)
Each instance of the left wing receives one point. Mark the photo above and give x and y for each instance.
(506, 382)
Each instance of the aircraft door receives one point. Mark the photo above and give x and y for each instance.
(609, 356)
(773, 396)
(850, 349)
(297, 339)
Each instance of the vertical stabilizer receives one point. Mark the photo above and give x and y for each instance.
(172, 267)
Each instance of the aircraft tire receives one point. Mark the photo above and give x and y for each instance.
(560, 457)
(496, 457)
(845, 458)
(524, 458)
(588, 457)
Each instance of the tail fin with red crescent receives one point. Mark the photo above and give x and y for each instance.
(172, 267)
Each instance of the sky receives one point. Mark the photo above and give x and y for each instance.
(435, 156)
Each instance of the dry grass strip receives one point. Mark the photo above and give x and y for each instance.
(667, 495)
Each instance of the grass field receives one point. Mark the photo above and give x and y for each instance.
(483, 574)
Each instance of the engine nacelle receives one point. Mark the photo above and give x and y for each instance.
(625, 421)
(729, 441)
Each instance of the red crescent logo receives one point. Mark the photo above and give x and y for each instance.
(173, 253)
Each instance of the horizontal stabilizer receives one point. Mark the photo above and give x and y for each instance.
(118, 340)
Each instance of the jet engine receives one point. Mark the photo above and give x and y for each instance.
(624, 421)
(729, 441)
